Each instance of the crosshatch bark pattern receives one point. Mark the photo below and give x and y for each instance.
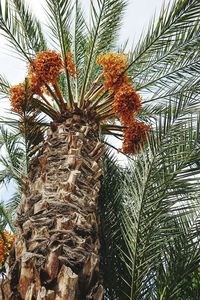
(56, 253)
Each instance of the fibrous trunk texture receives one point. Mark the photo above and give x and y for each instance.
(56, 252)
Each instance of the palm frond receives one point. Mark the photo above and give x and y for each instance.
(14, 168)
(12, 30)
(167, 58)
(5, 218)
(59, 13)
(106, 20)
(4, 87)
(32, 126)
(179, 263)
(13, 202)
(162, 186)
(112, 242)
(12, 157)
(79, 45)
(30, 26)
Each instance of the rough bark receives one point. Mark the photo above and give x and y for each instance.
(56, 252)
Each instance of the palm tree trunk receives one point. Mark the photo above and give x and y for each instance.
(56, 252)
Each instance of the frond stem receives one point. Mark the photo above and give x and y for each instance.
(92, 89)
(90, 56)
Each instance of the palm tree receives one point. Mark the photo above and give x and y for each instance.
(70, 101)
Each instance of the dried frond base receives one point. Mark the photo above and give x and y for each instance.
(56, 253)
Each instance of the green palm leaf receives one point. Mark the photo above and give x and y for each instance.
(179, 263)
(5, 218)
(12, 158)
(78, 45)
(4, 87)
(167, 58)
(30, 26)
(106, 20)
(59, 13)
(12, 30)
(160, 188)
(112, 243)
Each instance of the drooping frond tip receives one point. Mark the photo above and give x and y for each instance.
(111, 95)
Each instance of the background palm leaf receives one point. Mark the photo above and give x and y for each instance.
(13, 171)
(12, 157)
(31, 27)
(160, 191)
(166, 61)
(4, 87)
(112, 242)
(5, 218)
(12, 30)
(178, 274)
